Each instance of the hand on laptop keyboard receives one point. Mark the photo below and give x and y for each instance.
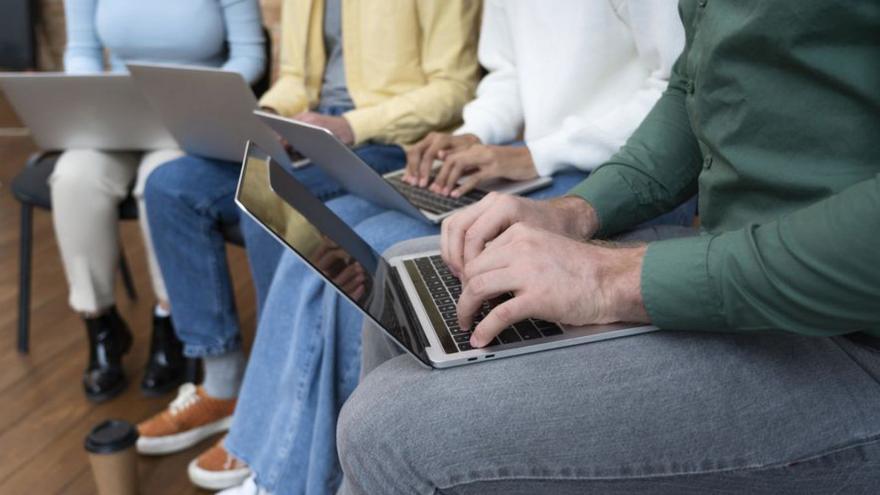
(480, 163)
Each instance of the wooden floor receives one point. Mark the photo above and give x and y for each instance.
(44, 416)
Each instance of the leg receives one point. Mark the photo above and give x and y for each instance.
(313, 336)
(87, 187)
(127, 279)
(667, 412)
(187, 199)
(24, 276)
(166, 368)
(150, 162)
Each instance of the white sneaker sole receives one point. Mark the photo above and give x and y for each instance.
(171, 444)
(214, 480)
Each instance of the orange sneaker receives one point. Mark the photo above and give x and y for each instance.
(217, 469)
(189, 419)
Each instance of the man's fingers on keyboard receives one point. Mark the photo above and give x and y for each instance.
(452, 234)
(480, 289)
(501, 317)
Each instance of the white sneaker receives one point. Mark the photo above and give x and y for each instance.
(249, 487)
(217, 469)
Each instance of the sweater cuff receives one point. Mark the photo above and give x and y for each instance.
(481, 130)
(366, 123)
(279, 98)
(676, 286)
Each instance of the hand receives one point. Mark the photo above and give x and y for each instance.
(337, 125)
(465, 234)
(554, 278)
(481, 163)
(435, 146)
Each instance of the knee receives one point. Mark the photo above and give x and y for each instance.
(166, 181)
(79, 174)
(379, 435)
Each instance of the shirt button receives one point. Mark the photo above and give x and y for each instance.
(702, 3)
(707, 162)
(689, 86)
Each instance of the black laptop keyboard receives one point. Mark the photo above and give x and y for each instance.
(445, 290)
(427, 200)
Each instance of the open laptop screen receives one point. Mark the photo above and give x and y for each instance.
(294, 216)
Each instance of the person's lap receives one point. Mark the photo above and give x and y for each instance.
(666, 412)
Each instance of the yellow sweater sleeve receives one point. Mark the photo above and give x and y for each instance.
(449, 62)
(288, 95)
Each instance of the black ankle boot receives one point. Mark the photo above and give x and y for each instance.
(166, 366)
(109, 340)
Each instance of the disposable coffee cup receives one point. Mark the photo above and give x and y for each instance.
(114, 462)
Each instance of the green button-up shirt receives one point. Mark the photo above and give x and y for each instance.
(773, 114)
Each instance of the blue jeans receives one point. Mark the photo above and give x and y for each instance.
(189, 203)
(306, 357)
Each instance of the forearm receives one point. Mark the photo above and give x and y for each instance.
(244, 35)
(812, 272)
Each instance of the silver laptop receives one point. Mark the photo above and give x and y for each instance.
(104, 112)
(412, 298)
(341, 163)
(209, 111)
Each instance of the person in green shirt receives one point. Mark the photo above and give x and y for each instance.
(765, 374)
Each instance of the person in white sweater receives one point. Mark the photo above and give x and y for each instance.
(574, 79)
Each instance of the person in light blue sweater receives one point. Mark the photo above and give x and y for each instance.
(88, 185)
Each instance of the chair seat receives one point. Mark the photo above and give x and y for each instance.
(31, 186)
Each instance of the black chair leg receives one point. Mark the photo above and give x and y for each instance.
(126, 276)
(24, 274)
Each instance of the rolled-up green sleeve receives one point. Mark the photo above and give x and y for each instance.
(814, 272)
(655, 171)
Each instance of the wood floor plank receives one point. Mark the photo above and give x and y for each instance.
(44, 415)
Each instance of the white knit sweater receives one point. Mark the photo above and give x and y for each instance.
(573, 77)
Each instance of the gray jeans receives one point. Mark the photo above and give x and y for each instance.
(666, 412)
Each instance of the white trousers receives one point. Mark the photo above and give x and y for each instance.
(87, 187)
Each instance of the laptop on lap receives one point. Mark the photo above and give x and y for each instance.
(341, 163)
(411, 298)
(209, 111)
(104, 112)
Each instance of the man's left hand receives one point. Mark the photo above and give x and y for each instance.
(337, 125)
(553, 278)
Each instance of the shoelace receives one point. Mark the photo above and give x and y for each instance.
(186, 396)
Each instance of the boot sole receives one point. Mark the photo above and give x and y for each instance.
(171, 444)
(216, 480)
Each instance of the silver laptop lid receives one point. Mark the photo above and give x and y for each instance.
(299, 220)
(104, 112)
(334, 157)
(209, 111)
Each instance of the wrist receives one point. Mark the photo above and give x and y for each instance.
(469, 139)
(621, 285)
(579, 217)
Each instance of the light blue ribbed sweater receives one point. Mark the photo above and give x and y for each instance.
(191, 32)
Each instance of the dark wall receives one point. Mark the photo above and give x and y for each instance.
(18, 49)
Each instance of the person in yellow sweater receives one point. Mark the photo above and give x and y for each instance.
(379, 75)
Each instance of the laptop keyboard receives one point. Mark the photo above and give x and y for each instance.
(427, 200)
(445, 290)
